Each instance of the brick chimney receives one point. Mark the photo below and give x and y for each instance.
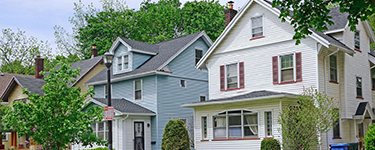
(229, 13)
(94, 51)
(39, 66)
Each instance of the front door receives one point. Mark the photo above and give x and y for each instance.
(139, 139)
(360, 136)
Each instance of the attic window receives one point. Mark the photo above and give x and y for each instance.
(122, 62)
(257, 27)
(198, 55)
(357, 43)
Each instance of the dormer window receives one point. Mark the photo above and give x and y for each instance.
(122, 62)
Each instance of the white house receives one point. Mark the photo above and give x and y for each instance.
(255, 69)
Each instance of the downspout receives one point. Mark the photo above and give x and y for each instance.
(325, 80)
(123, 146)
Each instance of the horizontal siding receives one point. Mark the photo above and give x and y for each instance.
(259, 106)
(258, 68)
(99, 91)
(139, 59)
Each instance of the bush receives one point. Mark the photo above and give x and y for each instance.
(175, 136)
(370, 138)
(270, 144)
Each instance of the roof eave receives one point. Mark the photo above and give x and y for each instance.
(346, 50)
(12, 81)
(206, 103)
(334, 31)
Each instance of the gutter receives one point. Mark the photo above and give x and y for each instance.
(206, 103)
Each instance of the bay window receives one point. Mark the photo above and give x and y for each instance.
(235, 124)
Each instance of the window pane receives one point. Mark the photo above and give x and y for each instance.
(336, 128)
(219, 121)
(138, 85)
(93, 126)
(119, 60)
(234, 120)
(101, 135)
(251, 124)
(202, 98)
(119, 67)
(198, 55)
(204, 127)
(359, 87)
(182, 83)
(257, 30)
(287, 75)
(126, 58)
(286, 61)
(219, 127)
(138, 95)
(268, 123)
(235, 132)
(232, 76)
(219, 132)
(356, 40)
(251, 130)
(101, 126)
(250, 119)
(256, 22)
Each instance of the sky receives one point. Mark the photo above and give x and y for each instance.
(38, 17)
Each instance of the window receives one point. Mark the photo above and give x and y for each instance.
(241, 123)
(357, 43)
(359, 87)
(268, 123)
(333, 68)
(183, 83)
(204, 127)
(138, 89)
(257, 26)
(5, 137)
(336, 128)
(101, 130)
(202, 98)
(198, 55)
(373, 78)
(106, 91)
(232, 76)
(122, 62)
(287, 68)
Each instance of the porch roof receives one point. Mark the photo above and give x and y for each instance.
(124, 106)
(362, 108)
(255, 95)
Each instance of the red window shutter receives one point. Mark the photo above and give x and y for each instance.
(298, 66)
(275, 69)
(222, 78)
(242, 75)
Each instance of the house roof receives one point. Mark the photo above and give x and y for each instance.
(125, 106)
(32, 84)
(255, 95)
(361, 108)
(5, 78)
(319, 37)
(86, 66)
(340, 19)
(167, 50)
(153, 48)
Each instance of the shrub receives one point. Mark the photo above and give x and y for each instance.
(370, 138)
(175, 136)
(270, 144)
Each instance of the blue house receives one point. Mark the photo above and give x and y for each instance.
(149, 84)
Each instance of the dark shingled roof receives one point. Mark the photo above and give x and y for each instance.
(32, 84)
(250, 95)
(125, 106)
(332, 40)
(340, 19)
(142, 46)
(361, 108)
(166, 50)
(5, 79)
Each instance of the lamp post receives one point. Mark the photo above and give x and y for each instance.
(107, 58)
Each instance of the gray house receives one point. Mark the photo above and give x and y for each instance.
(149, 84)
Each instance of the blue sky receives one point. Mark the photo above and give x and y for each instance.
(38, 17)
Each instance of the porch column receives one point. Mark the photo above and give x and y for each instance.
(13, 139)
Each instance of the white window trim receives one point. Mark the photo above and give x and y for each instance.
(205, 97)
(141, 89)
(238, 74)
(202, 137)
(181, 84)
(195, 54)
(337, 67)
(294, 66)
(227, 122)
(251, 25)
(105, 88)
(265, 124)
(123, 63)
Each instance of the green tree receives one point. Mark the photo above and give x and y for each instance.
(314, 14)
(370, 138)
(55, 119)
(17, 52)
(175, 136)
(301, 124)
(207, 15)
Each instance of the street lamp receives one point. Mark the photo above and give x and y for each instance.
(108, 59)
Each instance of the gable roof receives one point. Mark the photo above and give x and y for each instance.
(32, 84)
(5, 79)
(124, 106)
(255, 95)
(323, 39)
(167, 51)
(362, 108)
(86, 66)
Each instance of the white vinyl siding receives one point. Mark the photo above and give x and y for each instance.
(257, 27)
